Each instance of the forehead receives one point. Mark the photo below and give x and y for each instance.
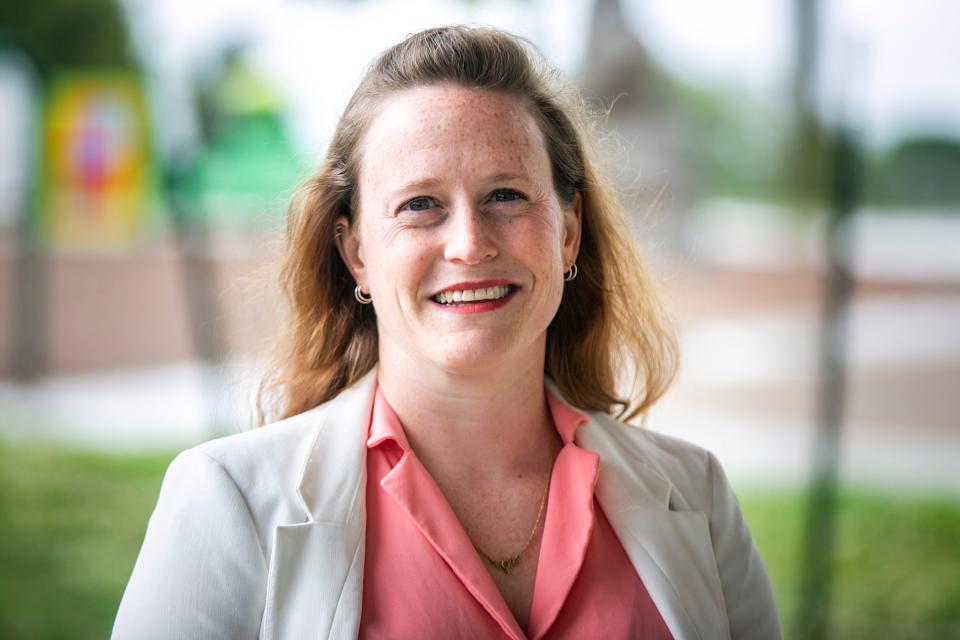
(432, 131)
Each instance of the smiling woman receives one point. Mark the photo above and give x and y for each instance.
(468, 314)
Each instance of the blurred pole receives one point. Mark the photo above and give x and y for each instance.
(816, 588)
(28, 357)
(806, 161)
(806, 173)
(838, 149)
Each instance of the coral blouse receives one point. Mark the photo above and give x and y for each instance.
(424, 579)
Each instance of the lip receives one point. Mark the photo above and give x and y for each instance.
(478, 284)
(477, 307)
(483, 306)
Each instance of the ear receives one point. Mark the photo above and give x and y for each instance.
(348, 244)
(572, 223)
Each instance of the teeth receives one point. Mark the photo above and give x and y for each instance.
(472, 295)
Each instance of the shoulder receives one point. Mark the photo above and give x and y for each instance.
(691, 471)
(290, 471)
(202, 568)
(259, 468)
(652, 445)
(272, 451)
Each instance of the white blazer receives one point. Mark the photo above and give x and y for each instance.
(261, 534)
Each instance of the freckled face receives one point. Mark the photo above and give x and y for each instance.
(460, 237)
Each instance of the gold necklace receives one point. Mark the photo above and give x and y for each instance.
(508, 564)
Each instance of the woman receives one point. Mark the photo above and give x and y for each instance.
(466, 306)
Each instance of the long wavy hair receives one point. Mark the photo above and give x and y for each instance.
(609, 348)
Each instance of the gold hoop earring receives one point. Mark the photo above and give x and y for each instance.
(570, 275)
(362, 298)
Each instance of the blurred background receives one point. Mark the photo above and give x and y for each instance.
(793, 173)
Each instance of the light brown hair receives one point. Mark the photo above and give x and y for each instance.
(610, 346)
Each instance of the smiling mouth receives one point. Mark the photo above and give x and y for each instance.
(460, 297)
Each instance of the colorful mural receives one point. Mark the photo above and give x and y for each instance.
(97, 160)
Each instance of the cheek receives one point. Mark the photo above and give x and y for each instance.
(399, 264)
(537, 236)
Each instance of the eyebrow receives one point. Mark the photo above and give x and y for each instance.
(507, 176)
(417, 185)
(430, 183)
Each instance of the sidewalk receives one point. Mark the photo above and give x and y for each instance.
(165, 407)
(747, 392)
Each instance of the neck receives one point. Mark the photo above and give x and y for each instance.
(494, 423)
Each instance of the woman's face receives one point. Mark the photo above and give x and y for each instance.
(460, 236)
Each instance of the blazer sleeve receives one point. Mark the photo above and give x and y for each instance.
(201, 572)
(751, 608)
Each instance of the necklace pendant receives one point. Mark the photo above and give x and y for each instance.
(507, 564)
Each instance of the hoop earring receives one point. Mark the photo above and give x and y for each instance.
(570, 275)
(362, 298)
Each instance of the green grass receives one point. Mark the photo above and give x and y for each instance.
(71, 523)
(897, 561)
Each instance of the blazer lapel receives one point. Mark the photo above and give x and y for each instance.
(315, 583)
(672, 555)
(668, 544)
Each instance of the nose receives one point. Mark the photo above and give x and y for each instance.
(470, 238)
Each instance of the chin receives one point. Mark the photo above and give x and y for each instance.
(468, 364)
(461, 356)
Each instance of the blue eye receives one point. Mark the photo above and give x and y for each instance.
(507, 195)
(418, 204)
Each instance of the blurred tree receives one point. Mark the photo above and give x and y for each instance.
(922, 171)
(69, 33)
(736, 144)
(244, 159)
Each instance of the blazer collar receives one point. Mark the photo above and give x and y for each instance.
(331, 479)
(333, 475)
(626, 480)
